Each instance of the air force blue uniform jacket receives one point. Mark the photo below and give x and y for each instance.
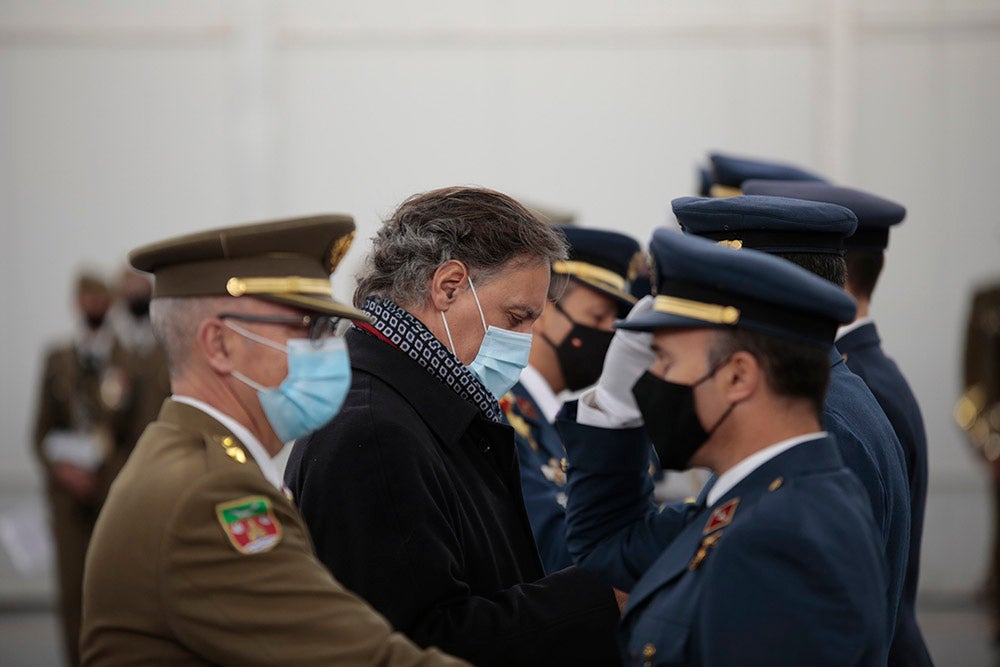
(863, 354)
(870, 449)
(542, 458)
(786, 568)
(540, 454)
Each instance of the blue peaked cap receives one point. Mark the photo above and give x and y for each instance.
(770, 224)
(706, 285)
(732, 171)
(603, 260)
(875, 214)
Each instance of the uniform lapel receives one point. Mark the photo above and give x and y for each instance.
(545, 434)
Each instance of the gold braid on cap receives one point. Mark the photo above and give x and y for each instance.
(697, 310)
(595, 274)
(286, 285)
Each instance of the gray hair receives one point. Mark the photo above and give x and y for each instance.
(482, 228)
(175, 323)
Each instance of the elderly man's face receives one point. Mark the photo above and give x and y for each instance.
(261, 363)
(512, 300)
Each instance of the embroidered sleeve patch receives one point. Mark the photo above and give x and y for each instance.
(250, 524)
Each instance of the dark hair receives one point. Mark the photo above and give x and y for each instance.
(483, 228)
(825, 265)
(863, 270)
(791, 368)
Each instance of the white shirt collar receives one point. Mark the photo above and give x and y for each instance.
(541, 392)
(741, 470)
(242, 434)
(848, 328)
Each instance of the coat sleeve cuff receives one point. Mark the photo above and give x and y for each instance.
(606, 450)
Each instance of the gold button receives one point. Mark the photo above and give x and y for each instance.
(564, 464)
(227, 442)
(648, 651)
(237, 454)
(775, 484)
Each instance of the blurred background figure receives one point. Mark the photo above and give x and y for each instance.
(978, 411)
(98, 392)
(79, 425)
(146, 358)
(129, 314)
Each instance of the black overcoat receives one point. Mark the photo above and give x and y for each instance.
(413, 499)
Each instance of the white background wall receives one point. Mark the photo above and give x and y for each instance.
(125, 122)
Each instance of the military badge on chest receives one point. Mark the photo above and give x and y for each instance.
(720, 517)
(250, 524)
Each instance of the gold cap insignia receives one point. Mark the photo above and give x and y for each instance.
(339, 249)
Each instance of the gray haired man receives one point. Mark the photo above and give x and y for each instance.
(412, 493)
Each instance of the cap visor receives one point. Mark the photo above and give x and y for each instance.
(318, 304)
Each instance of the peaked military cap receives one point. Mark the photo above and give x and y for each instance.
(730, 172)
(285, 261)
(551, 215)
(602, 260)
(705, 181)
(770, 224)
(875, 214)
(705, 285)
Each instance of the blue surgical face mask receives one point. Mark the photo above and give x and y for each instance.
(312, 392)
(502, 355)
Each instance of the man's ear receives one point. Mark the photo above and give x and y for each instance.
(210, 341)
(446, 282)
(742, 376)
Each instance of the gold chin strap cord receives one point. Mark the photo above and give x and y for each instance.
(697, 310)
(284, 285)
(590, 273)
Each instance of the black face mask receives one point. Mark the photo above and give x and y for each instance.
(139, 308)
(581, 354)
(95, 322)
(671, 421)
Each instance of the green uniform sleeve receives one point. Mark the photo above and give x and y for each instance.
(277, 605)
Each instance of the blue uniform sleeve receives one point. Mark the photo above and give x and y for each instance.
(614, 530)
(545, 501)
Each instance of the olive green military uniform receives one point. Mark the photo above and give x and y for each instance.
(149, 376)
(89, 396)
(197, 558)
(978, 410)
(199, 596)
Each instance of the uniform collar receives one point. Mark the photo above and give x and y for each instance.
(541, 393)
(856, 324)
(741, 470)
(243, 434)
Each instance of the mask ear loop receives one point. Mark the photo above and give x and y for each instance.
(451, 343)
(257, 339)
(476, 297)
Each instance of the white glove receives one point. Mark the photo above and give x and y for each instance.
(610, 404)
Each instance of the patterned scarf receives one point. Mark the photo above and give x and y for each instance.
(411, 336)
